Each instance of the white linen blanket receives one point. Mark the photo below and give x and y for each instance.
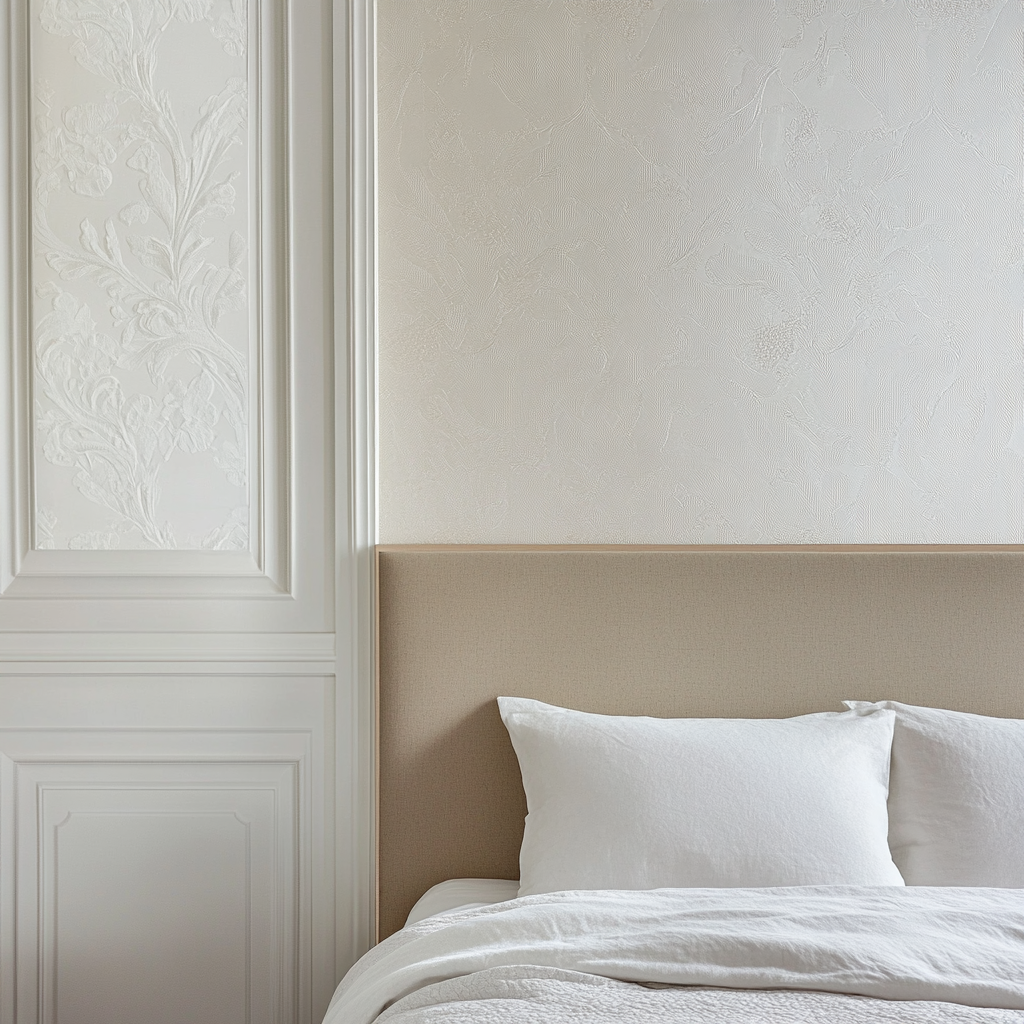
(953, 946)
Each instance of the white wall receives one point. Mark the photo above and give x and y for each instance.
(182, 816)
(678, 271)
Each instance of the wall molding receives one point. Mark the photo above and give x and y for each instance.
(167, 647)
(355, 191)
(284, 581)
(99, 670)
(14, 244)
(119, 735)
(265, 569)
(215, 649)
(261, 785)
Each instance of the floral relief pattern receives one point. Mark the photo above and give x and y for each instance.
(685, 271)
(141, 330)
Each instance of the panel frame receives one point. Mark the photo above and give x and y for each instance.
(285, 582)
(35, 762)
(265, 570)
(95, 783)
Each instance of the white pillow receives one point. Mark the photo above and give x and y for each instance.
(647, 803)
(956, 803)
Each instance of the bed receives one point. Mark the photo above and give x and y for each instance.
(596, 641)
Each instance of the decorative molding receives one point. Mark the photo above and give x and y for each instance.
(355, 160)
(99, 670)
(50, 885)
(47, 775)
(143, 189)
(234, 716)
(285, 583)
(15, 432)
(83, 649)
(26, 570)
(8, 889)
(69, 708)
(267, 796)
(74, 575)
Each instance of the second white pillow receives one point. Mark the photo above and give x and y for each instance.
(956, 803)
(648, 803)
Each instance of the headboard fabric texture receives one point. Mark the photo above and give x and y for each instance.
(657, 631)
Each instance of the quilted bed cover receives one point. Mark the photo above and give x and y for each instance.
(837, 953)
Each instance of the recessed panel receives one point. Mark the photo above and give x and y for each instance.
(160, 891)
(143, 133)
(152, 916)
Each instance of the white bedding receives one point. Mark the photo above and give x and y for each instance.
(462, 894)
(630, 802)
(547, 958)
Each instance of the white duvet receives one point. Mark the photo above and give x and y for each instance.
(958, 954)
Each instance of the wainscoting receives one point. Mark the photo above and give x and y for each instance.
(167, 842)
(186, 513)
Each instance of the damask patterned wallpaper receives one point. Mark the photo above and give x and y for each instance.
(701, 271)
(141, 328)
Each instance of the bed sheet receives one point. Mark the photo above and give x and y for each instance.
(462, 894)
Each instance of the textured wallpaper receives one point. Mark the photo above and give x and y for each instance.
(695, 271)
(141, 340)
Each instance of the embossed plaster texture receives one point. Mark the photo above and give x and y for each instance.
(701, 271)
(140, 318)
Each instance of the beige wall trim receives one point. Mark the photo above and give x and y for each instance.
(765, 548)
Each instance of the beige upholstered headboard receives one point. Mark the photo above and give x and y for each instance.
(660, 631)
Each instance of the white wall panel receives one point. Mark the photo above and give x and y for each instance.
(166, 848)
(168, 654)
(130, 886)
(144, 172)
(167, 271)
(691, 272)
(164, 892)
